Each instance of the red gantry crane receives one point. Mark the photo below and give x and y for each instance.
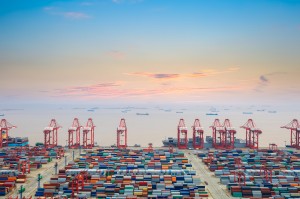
(294, 126)
(252, 134)
(122, 135)
(74, 129)
(150, 148)
(218, 130)
(182, 135)
(198, 141)
(4, 129)
(266, 173)
(223, 135)
(273, 147)
(239, 174)
(171, 149)
(77, 183)
(88, 134)
(24, 166)
(50, 134)
(229, 135)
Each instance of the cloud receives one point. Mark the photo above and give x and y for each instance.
(196, 74)
(276, 73)
(75, 15)
(155, 75)
(48, 8)
(263, 79)
(262, 84)
(69, 15)
(86, 4)
(116, 90)
(103, 89)
(233, 68)
(126, 1)
(115, 54)
(163, 76)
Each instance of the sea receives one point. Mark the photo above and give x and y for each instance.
(156, 122)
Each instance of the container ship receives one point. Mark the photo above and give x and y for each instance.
(15, 142)
(170, 141)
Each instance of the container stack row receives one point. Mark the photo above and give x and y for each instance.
(266, 173)
(17, 162)
(127, 174)
(17, 142)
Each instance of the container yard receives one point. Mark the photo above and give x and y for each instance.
(262, 173)
(126, 174)
(18, 164)
(81, 170)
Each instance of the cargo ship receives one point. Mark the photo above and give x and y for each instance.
(170, 141)
(15, 142)
(211, 113)
(142, 113)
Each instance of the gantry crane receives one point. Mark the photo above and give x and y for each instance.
(24, 166)
(294, 126)
(266, 173)
(223, 134)
(78, 182)
(218, 130)
(198, 141)
(88, 134)
(74, 129)
(182, 135)
(273, 147)
(122, 135)
(4, 129)
(252, 134)
(50, 134)
(229, 135)
(239, 173)
(150, 148)
(171, 149)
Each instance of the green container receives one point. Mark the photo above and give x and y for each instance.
(177, 196)
(237, 194)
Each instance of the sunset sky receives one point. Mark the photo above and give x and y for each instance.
(198, 51)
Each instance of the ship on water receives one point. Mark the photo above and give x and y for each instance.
(142, 113)
(211, 113)
(170, 141)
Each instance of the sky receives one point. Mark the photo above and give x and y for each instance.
(163, 51)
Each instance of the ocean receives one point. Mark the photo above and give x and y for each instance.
(161, 122)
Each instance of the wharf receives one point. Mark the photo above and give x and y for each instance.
(213, 185)
(46, 171)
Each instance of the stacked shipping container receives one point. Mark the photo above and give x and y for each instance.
(127, 174)
(284, 166)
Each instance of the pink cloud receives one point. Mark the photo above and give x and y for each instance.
(116, 90)
(197, 74)
(116, 54)
(163, 76)
(155, 75)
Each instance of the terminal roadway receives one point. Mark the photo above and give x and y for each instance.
(46, 171)
(215, 189)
